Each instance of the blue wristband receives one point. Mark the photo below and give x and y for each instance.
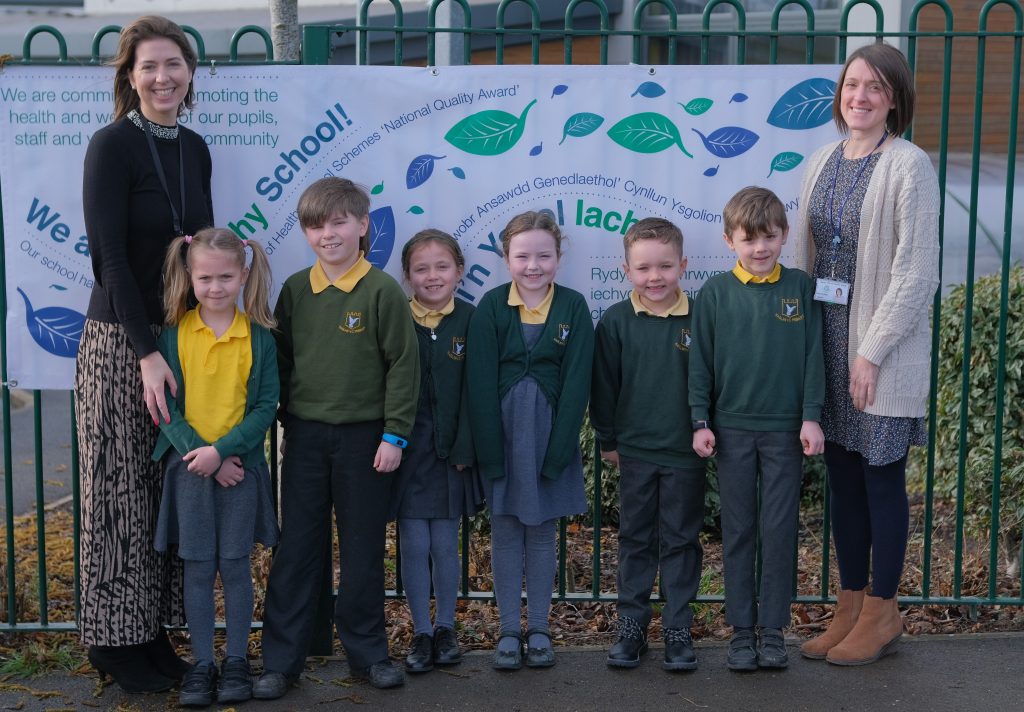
(394, 440)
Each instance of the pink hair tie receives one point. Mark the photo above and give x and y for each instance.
(245, 242)
(188, 239)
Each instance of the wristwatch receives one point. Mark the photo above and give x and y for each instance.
(700, 424)
(394, 440)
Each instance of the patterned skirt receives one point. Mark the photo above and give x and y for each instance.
(128, 588)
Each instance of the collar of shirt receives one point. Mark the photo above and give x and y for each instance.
(239, 328)
(346, 282)
(745, 276)
(680, 308)
(430, 318)
(535, 315)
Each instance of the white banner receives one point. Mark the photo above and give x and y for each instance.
(462, 149)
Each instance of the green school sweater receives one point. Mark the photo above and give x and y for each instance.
(348, 357)
(560, 363)
(638, 402)
(756, 358)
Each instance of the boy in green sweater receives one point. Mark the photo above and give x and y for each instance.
(349, 366)
(640, 362)
(757, 387)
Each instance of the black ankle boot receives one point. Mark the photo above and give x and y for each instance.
(164, 657)
(130, 667)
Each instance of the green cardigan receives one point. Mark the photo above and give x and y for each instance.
(560, 362)
(246, 438)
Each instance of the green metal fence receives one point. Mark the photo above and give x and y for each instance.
(724, 33)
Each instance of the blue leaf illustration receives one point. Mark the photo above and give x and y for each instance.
(458, 173)
(649, 90)
(382, 236)
(711, 171)
(728, 141)
(59, 287)
(785, 161)
(806, 106)
(581, 124)
(419, 170)
(560, 89)
(56, 329)
(535, 151)
(738, 97)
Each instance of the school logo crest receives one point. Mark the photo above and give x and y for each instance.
(458, 349)
(789, 310)
(352, 323)
(562, 337)
(684, 340)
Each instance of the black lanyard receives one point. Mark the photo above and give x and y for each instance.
(178, 232)
(837, 225)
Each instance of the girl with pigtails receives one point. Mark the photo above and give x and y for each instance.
(216, 496)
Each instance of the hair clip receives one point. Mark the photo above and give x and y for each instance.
(244, 241)
(188, 239)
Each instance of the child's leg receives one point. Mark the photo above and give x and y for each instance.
(236, 579)
(444, 554)
(851, 521)
(199, 580)
(507, 540)
(737, 487)
(681, 515)
(890, 518)
(415, 544)
(541, 562)
(781, 475)
(638, 539)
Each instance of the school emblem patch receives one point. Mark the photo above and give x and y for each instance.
(562, 337)
(789, 310)
(352, 323)
(684, 340)
(458, 349)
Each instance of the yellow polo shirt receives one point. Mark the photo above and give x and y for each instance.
(745, 276)
(537, 315)
(318, 281)
(680, 308)
(425, 316)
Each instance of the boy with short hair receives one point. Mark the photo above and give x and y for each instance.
(757, 387)
(349, 366)
(639, 411)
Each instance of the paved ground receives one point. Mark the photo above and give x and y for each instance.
(964, 673)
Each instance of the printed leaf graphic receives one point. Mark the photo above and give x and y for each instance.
(56, 329)
(535, 151)
(806, 106)
(377, 189)
(382, 236)
(728, 141)
(711, 171)
(581, 124)
(649, 90)
(559, 90)
(488, 133)
(415, 210)
(647, 132)
(785, 161)
(696, 107)
(59, 287)
(738, 97)
(420, 170)
(458, 173)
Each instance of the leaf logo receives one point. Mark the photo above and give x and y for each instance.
(420, 169)
(488, 133)
(647, 132)
(649, 90)
(785, 161)
(56, 329)
(806, 106)
(559, 90)
(696, 107)
(581, 124)
(382, 236)
(458, 173)
(728, 141)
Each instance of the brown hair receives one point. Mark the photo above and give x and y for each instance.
(331, 196)
(147, 27)
(178, 294)
(532, 220)
(893, 70)
(431, 235)
(660, 229)
(755, 210)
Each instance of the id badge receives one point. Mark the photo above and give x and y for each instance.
(831, 291)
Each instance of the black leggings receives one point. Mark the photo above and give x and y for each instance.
(870, 517)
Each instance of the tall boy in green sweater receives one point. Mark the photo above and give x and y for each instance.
(639, 410)
(757, 387)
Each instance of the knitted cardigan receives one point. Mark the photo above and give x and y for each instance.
(897, 272)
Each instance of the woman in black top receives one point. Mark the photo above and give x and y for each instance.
(146, 180)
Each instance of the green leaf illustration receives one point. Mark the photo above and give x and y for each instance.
(696, 107)
(488, 133)
(581, 124)
(647, 132)
(377, 189)
(415, 210)
(785, 161)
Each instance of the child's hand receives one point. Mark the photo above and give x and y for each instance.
(388, 458)
(231, 472)
(203, 461)
(611, 456)
(812, 438)
(704, 442)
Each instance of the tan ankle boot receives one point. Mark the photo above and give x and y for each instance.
(876, 633)
(848, 605)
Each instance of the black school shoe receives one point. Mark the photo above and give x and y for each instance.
(742, 650)
(632, 643)
(679, 652)
(199, 686)
(421, 656)
(446, 647)
(235, 683)
(382, 675)
(771, 649)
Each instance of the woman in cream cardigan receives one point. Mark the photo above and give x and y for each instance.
(869, 235)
